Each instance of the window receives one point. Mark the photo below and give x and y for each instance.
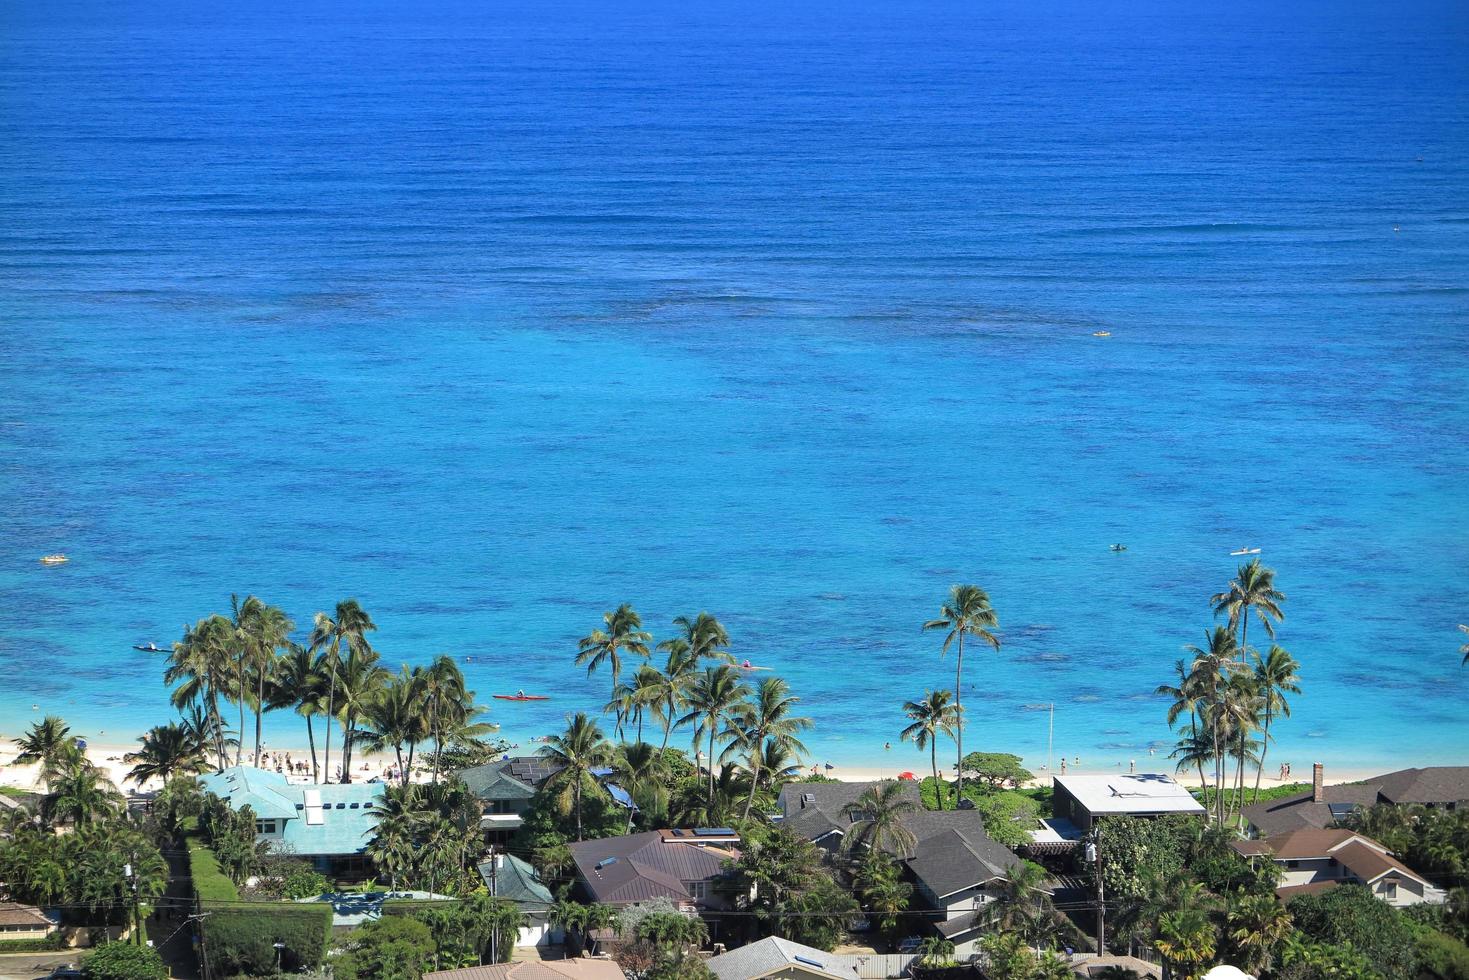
(1388, 889)
(698, 889)
(265, 826)
(1291, 864)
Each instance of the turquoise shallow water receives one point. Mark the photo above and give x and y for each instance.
(497, 317)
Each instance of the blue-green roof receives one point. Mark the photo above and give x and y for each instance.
(518, 882)
(346, 820)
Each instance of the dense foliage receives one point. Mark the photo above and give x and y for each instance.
(125, 961)
(1349, 915)
(240, 939)
(83, 872)
(793, 895)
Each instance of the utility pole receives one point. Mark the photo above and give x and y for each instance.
(1094, 854)
(495, 859)
(127, 872)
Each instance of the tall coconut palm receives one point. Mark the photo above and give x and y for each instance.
(1213, 665)
(393, 718)
(445, 697)
(711, 699)
(262, 630)
(879, 819)
(1185, 698)
(621, 707)
(299, 684)
(329, 635)
(967, 613)
(623, 634)
(673, 682)
(1275, 676)
(647, 694)
(201, 664)
(81, 795)
(933, 715)
(359, 680)
(1253, 589)
(767, 717)
(167, 751)
(704, 635)
(399, 817)
(640, 770)
(1239, 713)
(46, 744)
(577, 751)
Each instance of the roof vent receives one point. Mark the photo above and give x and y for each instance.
(810, 962)
(808, 799)
(606, 863)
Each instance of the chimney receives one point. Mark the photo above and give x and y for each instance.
(1318, 781)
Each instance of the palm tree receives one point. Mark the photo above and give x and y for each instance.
(1238, 714)
(1185, 698)
(200, 664)
(167, 751)
(934, 714)
(967, 613)
(262, 629)
(640, 768)
(1253, 588)
(1187, 941)
(577, 751)
(673, 681)
(359, 680)
(878, 819)
(936, 950)
(81, 794)
(47, 743)
(711, 700)
(1255, 925)
(647, 694)
(394, 718)
(329, 635)
(446, 699)
(704, 637)
(621, 706)
(399, 817)
(298, 683)
(766, 718)
(1275, 676)
(1213, 665)
(623, 634)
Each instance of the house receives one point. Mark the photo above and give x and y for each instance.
(23, 922)
(505, 790)
(1081, 799)
(1095, 965)
(780, 959)
(1313, 860)
(507, 876)
(681, 865)
(956, 867)
(574, 969)
(329, 824)
(1445, 787)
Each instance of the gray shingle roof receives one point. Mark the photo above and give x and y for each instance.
(637, 867)
(814, 810)
(959, 925)
(508, 779)
(953, 860)
(1431, 784)
(769, 955)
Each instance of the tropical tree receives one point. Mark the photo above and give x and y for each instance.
(1187, 941)
(1275, 676)
(201, 664)
(329, 636)
(704, 636)
(967, 613)
(766, 718)
(640, 769)
(1213, 666)
(261, 631)
(1251, 590)
(359, 681)
(81, 794)
(167, 751)
(447, 699)
(879, 883)
(299, 684)
(394, 719)
(577, 751)
(879, 816)
(933, 715)
(711, 701)
(1185, 699)
(1255, 924)
(46, 744)
(623, 633)
(672, 683)
(936, 950)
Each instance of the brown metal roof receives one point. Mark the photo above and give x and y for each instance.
(15, 914)
(583, 968)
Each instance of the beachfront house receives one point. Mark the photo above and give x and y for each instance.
(684, 866)
(1312, 860)
(1445, 787)
(505, 789)
(328, 824)
(814, 810)
(1081, 800)
(507, 876)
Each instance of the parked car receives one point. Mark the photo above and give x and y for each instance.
(913, 944)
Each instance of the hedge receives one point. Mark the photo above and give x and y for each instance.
(51, 942)
(210, 881)
(240, 939)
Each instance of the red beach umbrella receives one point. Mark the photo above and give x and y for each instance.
(906, 775)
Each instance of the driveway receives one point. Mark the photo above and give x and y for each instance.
(30, 966)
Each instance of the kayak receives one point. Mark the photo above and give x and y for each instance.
(521, 697)
(150, 648)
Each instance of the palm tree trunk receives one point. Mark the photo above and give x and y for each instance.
(668, 724)
(311, 741)
(412, 746)
(1264, 745)
(1193, 731)
(576, 792)
(754, 782)
(331, 699)
(711, 762)
(240, 745)
(259, 710)
(959, 715)
(438, 743)
(933, 760)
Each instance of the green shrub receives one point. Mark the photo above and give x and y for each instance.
(1441, 957)
(125, 961)
(241, 939)
(391, 948)
(51, 942)
(210, 881)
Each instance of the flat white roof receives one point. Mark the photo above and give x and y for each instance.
(1142, 792)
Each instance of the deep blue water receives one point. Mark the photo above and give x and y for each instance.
(497, 315)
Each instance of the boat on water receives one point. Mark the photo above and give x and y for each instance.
(57, 559)
(1102, 333)
(1245, 551)
(521, 696)
(1119, 547)
(149, 648)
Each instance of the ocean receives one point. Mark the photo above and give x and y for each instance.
(496, 315)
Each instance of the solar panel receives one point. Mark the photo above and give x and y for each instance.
(809, 962)
(713, 832)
